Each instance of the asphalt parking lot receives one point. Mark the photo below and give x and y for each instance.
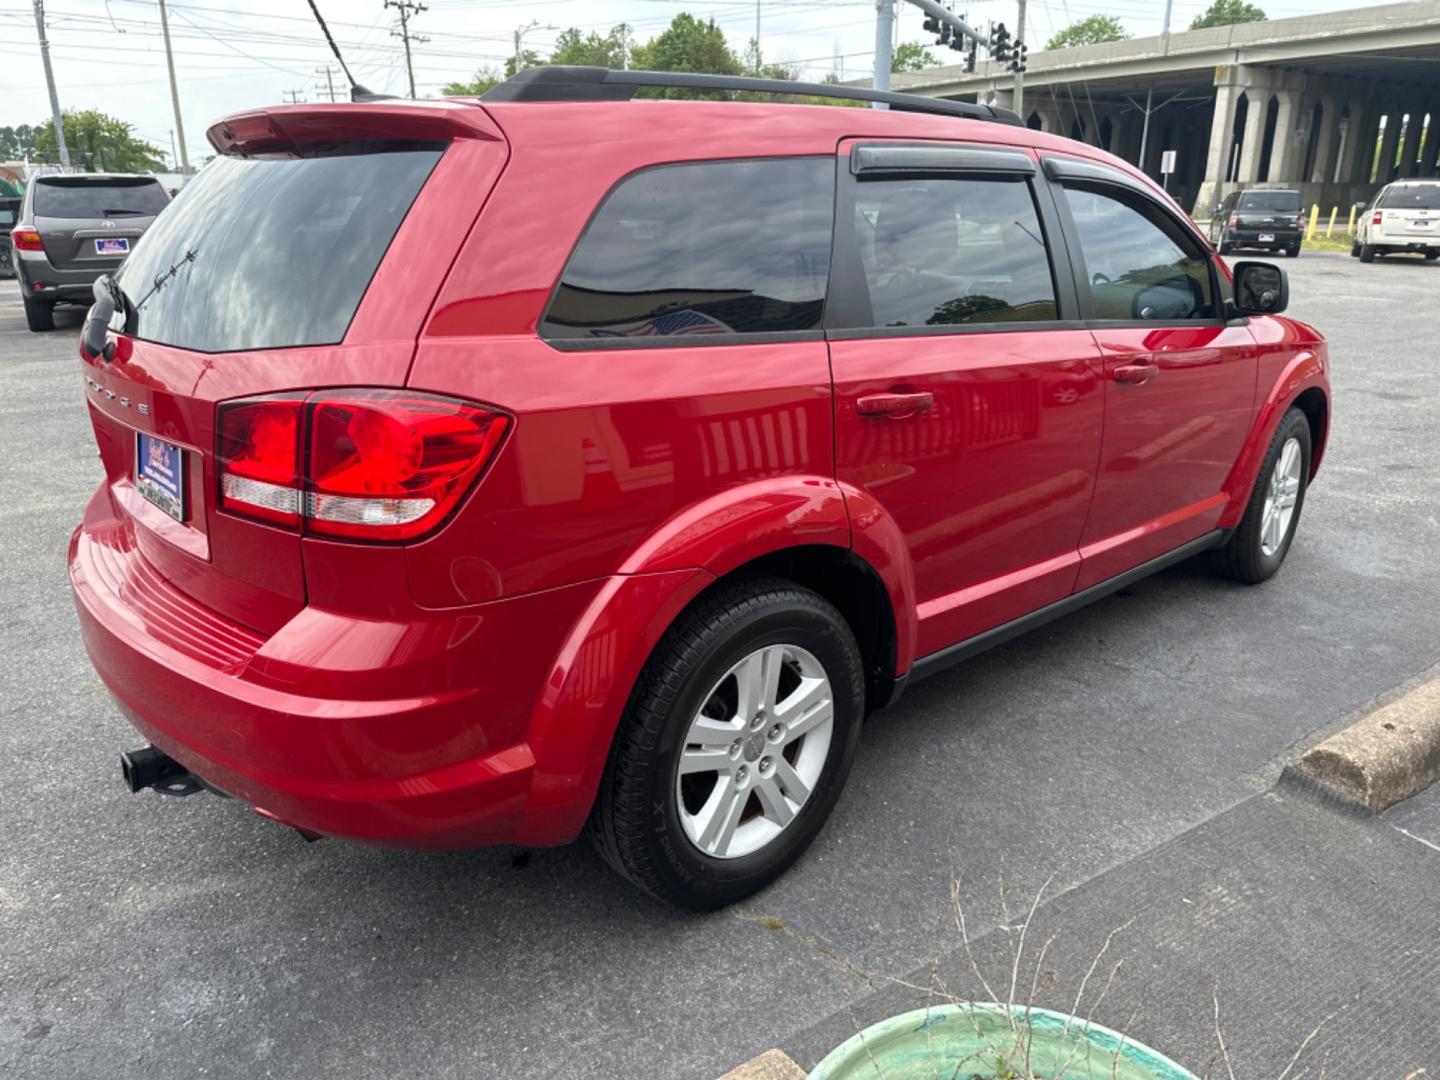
(1127, 755)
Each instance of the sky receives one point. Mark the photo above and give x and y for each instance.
(233, 55)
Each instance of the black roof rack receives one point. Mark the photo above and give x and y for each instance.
(562, 83)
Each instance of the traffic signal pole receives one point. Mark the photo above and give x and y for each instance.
(1018, 104)
(884, 43)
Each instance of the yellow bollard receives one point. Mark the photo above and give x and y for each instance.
(1314, 218)
(1330, 225)
(1350, 228)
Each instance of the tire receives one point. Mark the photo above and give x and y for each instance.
(646, 813)
(1225, 246)
(1250, 555)
(1354, 249)
(39, 316)
(1292, 252)
(1431, 254)
(1367, 253)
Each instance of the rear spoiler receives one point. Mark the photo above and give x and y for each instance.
(283, 129)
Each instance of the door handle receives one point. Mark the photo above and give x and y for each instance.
(1135, 374)
(897, 405)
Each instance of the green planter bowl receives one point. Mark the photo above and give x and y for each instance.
(930, 1043)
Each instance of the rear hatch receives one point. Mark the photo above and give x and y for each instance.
(89, 222)
(309, 262)
(1411, 211)
(1266, 211)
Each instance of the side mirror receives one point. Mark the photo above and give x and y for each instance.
(1260, 289)
(93, 340)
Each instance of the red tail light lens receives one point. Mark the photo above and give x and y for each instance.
(377, 464)
(1378, 218)
(258, 458)
(1234, 220)
(26, 240)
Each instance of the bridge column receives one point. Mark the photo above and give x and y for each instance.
(1358, 134)
(1325, 141)
(1426, 166)
(1410, 145)
(1388, 142)
(1283, 151)
(1228, 86)
(1368, 133)
(1254, 135)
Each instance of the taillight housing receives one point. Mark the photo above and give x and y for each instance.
(26, 240)
(1234, 221)
(359, 464)
(1378, 218)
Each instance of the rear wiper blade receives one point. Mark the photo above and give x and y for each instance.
(162, 279)
(120, 213)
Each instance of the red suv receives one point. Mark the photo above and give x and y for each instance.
(486, 471)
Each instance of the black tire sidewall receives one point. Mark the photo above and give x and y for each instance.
(704, 880)
(1292, 425)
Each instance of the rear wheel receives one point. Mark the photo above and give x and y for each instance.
(1354, 249)
(1367, 253)
(734, 746)
(1432, 254)
(1225, 246)
(39, 315)
(1293, 251)
(1259, 545)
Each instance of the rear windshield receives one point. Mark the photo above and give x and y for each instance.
(1412, 197)
(274, 252)
(1270, 200)
(113, 196)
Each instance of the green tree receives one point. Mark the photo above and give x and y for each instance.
(100, 143)
(1227, 13)
(1091, 31)
(18, 143)
(912, 56)
(478, 83)
(688, 44)
(610, 50)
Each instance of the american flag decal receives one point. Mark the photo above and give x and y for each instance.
(671, 324)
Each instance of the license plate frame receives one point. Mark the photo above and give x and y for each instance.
(112, 245)
(1267, 238)
(160, 474)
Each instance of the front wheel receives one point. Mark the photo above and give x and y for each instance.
(734, 746)
(1432, 254)
(1259, 545)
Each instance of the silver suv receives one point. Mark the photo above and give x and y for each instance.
(73, 229)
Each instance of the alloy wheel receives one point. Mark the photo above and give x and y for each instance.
(754, 751)
(1280, 498)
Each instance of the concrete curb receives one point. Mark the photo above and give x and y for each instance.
(1385, 756)
(771, 1065)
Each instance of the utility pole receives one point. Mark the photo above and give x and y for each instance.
(1018, 97)
(292, 97)
(174, 90)
(757, 37)
(406, 9)
(1150, 91)
(520, 32)
(329, 90)
(55, 117)
(884, 44)
(174, 157)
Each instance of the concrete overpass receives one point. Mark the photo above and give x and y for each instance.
(1299, 102)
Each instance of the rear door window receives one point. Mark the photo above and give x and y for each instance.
(701, 251)
(1140, 262)
(80, 197)
(949, 251)
(1411, 197)
(263, 253)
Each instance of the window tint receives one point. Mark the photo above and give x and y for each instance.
(730, 247)
(264, 253)
(950, 251)
(78, 197)
(1141, 263)
(1270, 200)
(7, 217)
(1411, 197)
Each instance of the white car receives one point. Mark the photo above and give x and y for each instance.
(1405, 216)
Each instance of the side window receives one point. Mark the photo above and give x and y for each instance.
(1141, 264)
(709, 249)
(950, 251)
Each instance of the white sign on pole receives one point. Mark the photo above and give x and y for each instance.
(1167, 162)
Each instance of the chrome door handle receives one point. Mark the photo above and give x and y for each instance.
(1136, 374)
(897, 405)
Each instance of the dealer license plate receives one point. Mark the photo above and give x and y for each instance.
(160, 474)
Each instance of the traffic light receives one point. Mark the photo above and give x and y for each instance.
(999, 43)
(944, 38)
(970, 54)
(931, 24)
(1017, 56)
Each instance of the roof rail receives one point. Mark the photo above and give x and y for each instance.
(566, 83)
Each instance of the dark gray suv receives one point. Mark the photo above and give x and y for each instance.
(74, 228)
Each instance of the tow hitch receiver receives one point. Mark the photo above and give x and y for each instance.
(149, 767)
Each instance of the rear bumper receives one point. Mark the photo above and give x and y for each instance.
(33, 268)
(1249, 236)
(443, 759)
(1405, 241)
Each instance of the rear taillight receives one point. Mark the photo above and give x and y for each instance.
(26, 240)
(1378, 218)
(1234, 221)
(359, 464)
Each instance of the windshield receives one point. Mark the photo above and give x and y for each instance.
(1270, 200)
(1412, 197)
(274, 252)
(82, 197)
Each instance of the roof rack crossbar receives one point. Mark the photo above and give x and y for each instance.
(567, 83)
